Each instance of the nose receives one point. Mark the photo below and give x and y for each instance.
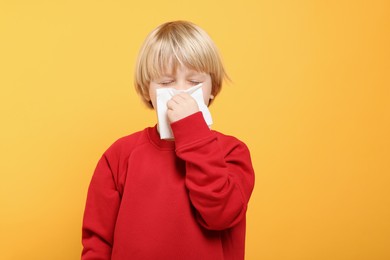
(181, 86)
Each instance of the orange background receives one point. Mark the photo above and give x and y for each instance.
(310, 96)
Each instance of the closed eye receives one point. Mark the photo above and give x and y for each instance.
(195, 82)
(166, 83)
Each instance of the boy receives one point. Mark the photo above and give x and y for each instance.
(183, 198)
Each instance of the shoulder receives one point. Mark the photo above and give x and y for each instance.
(229, 142)
(126, 144)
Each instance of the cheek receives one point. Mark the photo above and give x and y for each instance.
(207, 102)
(206, 94)
(152, 96)
(153, 100)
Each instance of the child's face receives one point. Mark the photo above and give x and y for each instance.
(181, 79)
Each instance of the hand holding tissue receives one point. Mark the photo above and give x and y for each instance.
(165, 94)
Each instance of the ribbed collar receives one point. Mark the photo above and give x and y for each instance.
(155, 139)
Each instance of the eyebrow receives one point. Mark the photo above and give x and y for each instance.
(167, 74)
(191, 73)
(196, 74)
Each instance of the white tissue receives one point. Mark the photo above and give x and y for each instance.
(165, 94)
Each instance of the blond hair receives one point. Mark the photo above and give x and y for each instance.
(173, 44)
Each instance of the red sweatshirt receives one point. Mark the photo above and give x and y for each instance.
(156, 199)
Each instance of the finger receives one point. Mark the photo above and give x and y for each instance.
(172, 104)
(179, 98)
(184, 96)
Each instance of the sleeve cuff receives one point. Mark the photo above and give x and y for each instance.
(190, 129)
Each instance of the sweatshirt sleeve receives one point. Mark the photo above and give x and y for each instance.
(219, 173)
(100, 213)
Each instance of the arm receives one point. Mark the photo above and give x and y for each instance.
(219, 173)
(100, 214)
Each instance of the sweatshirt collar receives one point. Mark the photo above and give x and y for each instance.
(155, 139)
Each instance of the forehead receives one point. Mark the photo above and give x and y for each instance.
(180, 69)
(174, 67)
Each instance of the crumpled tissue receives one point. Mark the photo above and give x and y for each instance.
(165, 94)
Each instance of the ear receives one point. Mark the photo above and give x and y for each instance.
(212, 97)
